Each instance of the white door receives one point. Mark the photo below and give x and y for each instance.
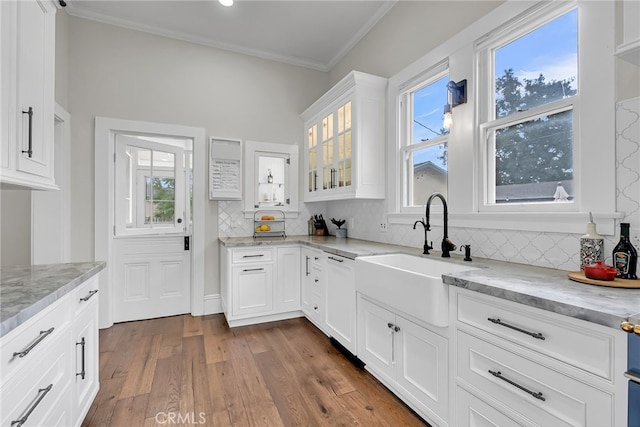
(152, 260)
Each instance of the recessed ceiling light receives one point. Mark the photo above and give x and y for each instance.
(226, 2)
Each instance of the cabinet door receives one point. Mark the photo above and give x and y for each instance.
(422, 367)
(376, 339)
(35, 86)
(85, 362)
(313, 288)
(341, 301)
(252, 289)
(288, 279)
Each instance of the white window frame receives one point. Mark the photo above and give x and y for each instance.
(595, 163)
(485, 65)
(405, 143)
(123, 189)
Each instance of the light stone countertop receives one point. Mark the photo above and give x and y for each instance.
(26, 290)
(544, 288)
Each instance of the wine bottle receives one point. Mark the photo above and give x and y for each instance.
(625, 256)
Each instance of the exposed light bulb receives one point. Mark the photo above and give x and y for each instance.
(226, 3)
(448, 119)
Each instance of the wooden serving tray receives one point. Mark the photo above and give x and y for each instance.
(579, 276)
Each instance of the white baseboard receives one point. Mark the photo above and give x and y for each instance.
(212, 304)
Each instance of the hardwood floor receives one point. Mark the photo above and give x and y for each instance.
(186, 370)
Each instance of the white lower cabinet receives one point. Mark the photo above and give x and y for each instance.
(537, 368)
(312, 282)
(252, 289)
(340, 287)
(409, 359)
(85, 348)
(260, 284)
(41, 363)
(288, 279)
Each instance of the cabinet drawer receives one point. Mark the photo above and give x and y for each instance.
(240, 256)
(40, 387)
(31, 339)
(86, 295)
(472, 411)
(560, 337)
(538, 393)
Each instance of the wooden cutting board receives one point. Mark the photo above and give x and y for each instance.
(579, 276)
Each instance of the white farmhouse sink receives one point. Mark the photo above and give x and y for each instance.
(409, 283)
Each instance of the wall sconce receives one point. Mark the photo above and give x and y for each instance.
(226, 3)
(456, 95)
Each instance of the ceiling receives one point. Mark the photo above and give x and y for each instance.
(314, 34)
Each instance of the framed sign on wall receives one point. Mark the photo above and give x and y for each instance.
(225, 169)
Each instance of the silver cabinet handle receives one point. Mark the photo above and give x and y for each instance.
(306, 266)
(43, 335)
(253, 269)
(336, 259)
(83, 372)
(89, 295)
(536, 335)
(29, 152)
(537, 395)
(41, 394)
(252, 256)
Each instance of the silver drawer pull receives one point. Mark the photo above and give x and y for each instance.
(537, 395)
(91, 293)
(536, 335)
(252, 256)
(41, 394)
(43, 335)
(253, 269)
(336, 259)
(82, 373)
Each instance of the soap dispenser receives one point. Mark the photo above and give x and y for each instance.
(591, 245)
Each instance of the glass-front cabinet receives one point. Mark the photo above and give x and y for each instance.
(344, 134)
(271, 177)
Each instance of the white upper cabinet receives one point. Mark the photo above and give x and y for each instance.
(344, 141)
(629, 47)
(271, 172)
(27, 37)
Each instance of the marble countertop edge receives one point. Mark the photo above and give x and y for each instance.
(20, 311)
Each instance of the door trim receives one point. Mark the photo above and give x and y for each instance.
(105, 130)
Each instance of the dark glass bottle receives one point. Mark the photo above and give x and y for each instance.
(625, 256)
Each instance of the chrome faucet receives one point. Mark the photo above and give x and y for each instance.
(447, 245)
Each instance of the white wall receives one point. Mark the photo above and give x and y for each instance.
(407, 32)
(119, 73)
(15, 231)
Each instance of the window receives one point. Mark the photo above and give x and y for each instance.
(153, 191)
(423, 148)
(528, 132)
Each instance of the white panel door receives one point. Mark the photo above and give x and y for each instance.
(152, 261)
(152, 278)
(376, 339)
(423, 366)
(288, 286)
(252, 289)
